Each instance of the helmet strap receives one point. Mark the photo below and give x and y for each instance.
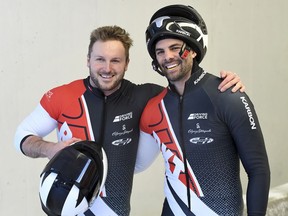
(185, 50)
(156, 67)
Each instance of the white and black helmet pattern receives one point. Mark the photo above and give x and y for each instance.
(180, 22)
(72, 179)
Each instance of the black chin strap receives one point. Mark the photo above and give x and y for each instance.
(156, 67)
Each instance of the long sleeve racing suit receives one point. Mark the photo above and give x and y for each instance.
(202, 135)
(81, 111)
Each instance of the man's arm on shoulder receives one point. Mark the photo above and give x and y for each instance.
(230, 79)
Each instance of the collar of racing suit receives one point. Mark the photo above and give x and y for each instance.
(99, 93)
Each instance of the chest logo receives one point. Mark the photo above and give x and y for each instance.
(121, 142)
(201, 140)
(123, 117)
(198, 116)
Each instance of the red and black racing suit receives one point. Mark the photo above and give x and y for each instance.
(81, 111)
(202, 134)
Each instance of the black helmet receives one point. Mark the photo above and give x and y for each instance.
(73, 178)
(179, 22)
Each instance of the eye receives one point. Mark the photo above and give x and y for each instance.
(99, 59)
(115, 61)
(159, 52)
(176, 48)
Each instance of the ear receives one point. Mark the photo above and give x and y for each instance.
(88, 61)
(127, 63)
(194, 54)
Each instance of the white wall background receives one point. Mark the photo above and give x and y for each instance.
(44, 44)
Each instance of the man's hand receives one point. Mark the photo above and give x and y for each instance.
(230, 79)
(35, 147)
(55, 147)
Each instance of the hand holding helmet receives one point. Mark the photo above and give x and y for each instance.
(73, 178)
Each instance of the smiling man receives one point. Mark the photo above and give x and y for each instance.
(105, 108)
(202, 133)
(107, 68)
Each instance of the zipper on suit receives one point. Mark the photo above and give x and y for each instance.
(182, 144)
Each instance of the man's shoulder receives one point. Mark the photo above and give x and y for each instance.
(211, 83)
(146, 90)
(213, 78)
(63, 92)
(76, 84)
(152, 86)
(154, 101)
(70, 88)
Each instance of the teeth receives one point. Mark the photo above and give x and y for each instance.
(105, 76)
(171, 66)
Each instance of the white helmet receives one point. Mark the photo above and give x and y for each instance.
(73, 178)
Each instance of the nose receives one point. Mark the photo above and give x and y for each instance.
(168, 55)
(107, 67)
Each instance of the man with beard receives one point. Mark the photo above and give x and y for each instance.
(105, 108)
(201, 132)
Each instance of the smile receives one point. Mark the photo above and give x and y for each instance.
(172, 66)
(106, 76)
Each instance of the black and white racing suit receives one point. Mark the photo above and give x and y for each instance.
(202, 134)
(81, 111)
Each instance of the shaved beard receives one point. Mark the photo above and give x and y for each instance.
(184, 70)
(106, 88)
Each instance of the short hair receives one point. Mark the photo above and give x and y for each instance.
(106, 33)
